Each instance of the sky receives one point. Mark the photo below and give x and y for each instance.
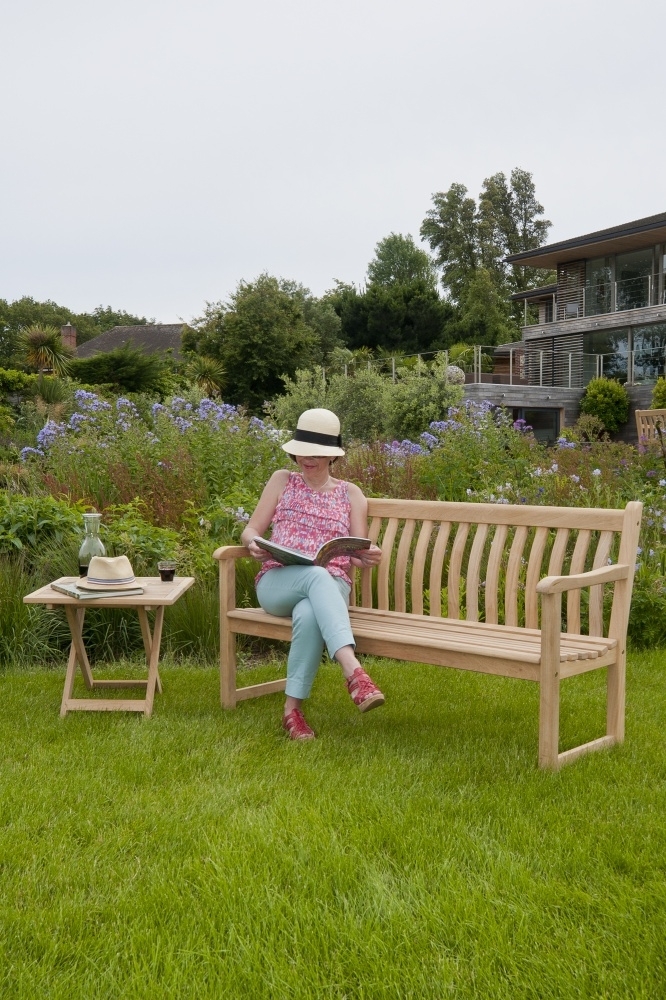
(154, 153)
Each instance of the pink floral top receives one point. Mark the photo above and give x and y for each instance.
(304, 519)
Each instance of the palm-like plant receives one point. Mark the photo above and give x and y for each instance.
(207, 373)
(51, 397)
(44, 350)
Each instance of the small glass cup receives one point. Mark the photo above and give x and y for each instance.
(167, 568)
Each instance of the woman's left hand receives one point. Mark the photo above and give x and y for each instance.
(368, 557)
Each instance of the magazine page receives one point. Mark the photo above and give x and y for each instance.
(344, 546)
(288, 557)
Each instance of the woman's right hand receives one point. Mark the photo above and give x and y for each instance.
(257, 552)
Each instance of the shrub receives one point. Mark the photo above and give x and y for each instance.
(608, 400)
(419, 397)
(126, 367)
(659, 394)
(15, 381)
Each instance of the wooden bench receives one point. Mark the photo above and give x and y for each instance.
(500, 572)
(647, 422)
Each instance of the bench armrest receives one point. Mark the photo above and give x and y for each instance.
(605, 574)
(232, 552)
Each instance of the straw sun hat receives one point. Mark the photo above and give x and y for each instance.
(317, 433)
(106, 572)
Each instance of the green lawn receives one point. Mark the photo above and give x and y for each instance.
(413, 852)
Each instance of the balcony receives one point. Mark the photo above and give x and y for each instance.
(554, 367)
(578, 302)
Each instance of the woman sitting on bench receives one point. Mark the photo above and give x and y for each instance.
(306, 509)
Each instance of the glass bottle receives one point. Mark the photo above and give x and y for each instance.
(92, 544)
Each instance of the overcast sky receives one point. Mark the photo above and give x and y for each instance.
(156, 152)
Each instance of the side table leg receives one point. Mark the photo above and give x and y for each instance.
(77, 653)
(153, 675)
(148, 642)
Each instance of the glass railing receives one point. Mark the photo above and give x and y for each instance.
(600, 297)
(564, 369)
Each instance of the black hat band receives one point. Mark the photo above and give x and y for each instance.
(313, 437)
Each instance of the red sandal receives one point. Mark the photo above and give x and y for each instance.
(364, 692)
(296, 726)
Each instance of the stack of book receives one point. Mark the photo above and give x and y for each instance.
(79, 590)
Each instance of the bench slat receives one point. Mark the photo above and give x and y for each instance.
(474, 573)
(533, 576)
(400, 574)
(513, 575)
(490, 513)
(596, 626)
(577, 566)
(455, 566)
(493, 572)
(383, 574)
(437, 568)
(418, 567)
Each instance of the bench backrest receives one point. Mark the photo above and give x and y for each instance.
(483, 561)
(646, 424)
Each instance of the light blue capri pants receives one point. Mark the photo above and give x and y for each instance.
(317, 603)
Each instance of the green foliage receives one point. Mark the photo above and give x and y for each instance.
(30, 521)
(485, 313)
(126, 367)
(260, 337)
(42, 348)
(13, 381)
(465, 238)
(305, 391)
(361, 404)
(398, 261)
(26, 312)
(408, 318)
(608, 400)
(659, 394)
(206, 373)
(418, 397)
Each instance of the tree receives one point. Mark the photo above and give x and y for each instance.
(207, 373)
(260, 336)
(398, 261)
(26, 312)
(42, 349)
(465, 237)
(402, 318)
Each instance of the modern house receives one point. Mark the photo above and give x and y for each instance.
(605, 315)
(151, 338)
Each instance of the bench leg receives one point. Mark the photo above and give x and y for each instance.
(615, 688)
(227, 637)
(549, 686)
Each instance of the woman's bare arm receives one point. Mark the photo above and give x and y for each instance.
(263, 513)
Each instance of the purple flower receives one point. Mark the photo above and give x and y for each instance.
(49, 433)
(25, 453)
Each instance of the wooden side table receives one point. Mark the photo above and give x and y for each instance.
(156, 596)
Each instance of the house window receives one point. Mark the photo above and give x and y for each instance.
(597, 286)
(649, 347)
(545, 422)
(633, 277)
(606, 353)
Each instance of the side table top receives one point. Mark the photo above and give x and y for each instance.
(155, 592)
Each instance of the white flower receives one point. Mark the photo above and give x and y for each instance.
(575, 478)
(596, 472)
(554, 467)
(662, 482)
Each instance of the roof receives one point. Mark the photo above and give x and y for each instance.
(151, 338)
(619, 239)
(534, 294)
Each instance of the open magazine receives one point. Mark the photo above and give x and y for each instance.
(346, 545)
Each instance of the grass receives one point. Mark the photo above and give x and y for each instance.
(416, 852)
